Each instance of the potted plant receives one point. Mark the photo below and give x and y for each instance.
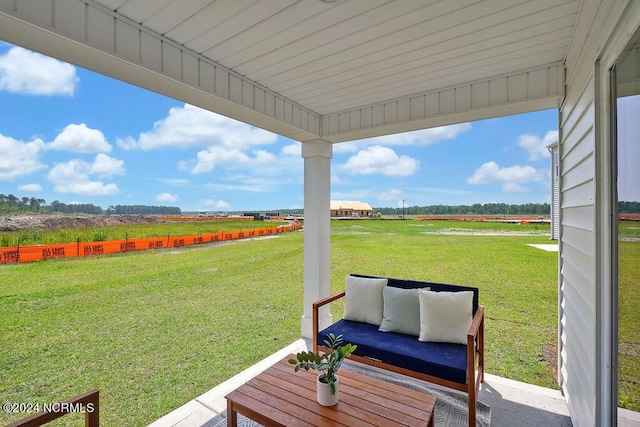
(327, 364)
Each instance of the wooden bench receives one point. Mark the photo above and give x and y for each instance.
(462, 369)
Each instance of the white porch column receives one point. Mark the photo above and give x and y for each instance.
(317, 168)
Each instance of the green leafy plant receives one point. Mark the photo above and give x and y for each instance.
(100, 236)
(329, 363)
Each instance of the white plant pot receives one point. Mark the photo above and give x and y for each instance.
(324, 396)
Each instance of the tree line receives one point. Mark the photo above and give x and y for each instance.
(142, 210)
(10, 204)
(629, 207)
(491, 209)
(475, 209)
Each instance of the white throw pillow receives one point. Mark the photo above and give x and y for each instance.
(445, 316)
(401, 311)
(363, 299)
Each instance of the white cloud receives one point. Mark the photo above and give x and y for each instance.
(537, 147)
(32, 188)
(208, 159)
(167, 197)
(263, 157)
(294, 149)
(19, 157)
(81, 139)
(491, 172)
(381, 160)
(218, 204)
(27, 72)
(74, 176)
(105, 166)
(512, 177)
(350, 146)
(227, 145)
(390, 195)
(418, 137)
(192, 126)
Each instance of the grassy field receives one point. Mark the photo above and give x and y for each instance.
(152, 330)
(629, 315)
(518, 283)
(138, 231)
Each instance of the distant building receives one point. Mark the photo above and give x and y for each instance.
(350, 209)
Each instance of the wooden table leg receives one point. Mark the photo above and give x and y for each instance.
(232, 416)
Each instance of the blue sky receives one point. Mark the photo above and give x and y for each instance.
(628, 148)
(75, 136)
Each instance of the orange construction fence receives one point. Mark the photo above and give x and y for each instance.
(22, 254)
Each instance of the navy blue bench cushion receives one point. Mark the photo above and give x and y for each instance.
(442, 360)
(436, 287)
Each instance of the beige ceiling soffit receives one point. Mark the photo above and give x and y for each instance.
(93, 37)
(520, 92)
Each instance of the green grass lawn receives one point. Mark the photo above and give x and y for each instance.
(150, 330)
(518, 283)
(138, 231)
(628, 321)
(154, 329)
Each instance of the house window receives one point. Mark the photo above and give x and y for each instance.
(626, 262)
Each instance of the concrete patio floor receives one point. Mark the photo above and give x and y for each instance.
(512, 403)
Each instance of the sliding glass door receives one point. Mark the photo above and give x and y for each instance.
(626, 263)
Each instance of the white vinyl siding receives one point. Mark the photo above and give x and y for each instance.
(583, 250)
(577, 275)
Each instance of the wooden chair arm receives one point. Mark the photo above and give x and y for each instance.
(474, 328)
(475, 353)
(316, 323)
(328, 299)
(89, 401)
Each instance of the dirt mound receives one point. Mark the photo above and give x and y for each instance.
(56, 222)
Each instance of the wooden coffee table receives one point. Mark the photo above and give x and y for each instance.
(281, 397)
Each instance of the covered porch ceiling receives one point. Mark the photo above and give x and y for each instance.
(334, 70)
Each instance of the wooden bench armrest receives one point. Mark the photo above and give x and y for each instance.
(475, 353)
(477, 321)
(89, 402)
(316, 322)
(327, 300)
